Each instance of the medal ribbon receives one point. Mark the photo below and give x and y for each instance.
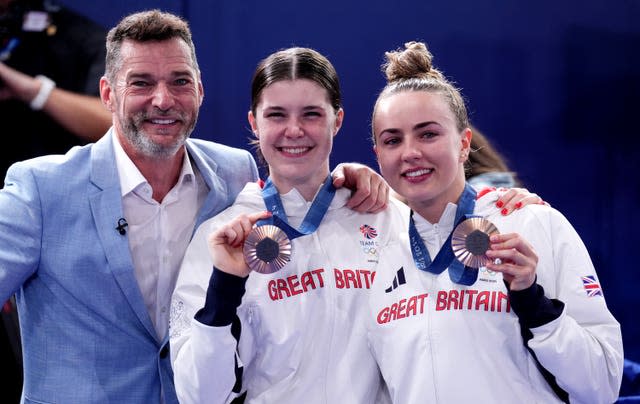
(458, 272)
(312, 219)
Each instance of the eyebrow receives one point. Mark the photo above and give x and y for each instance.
(280, 108)
(173, 74)
(423, 125)
(415, 127)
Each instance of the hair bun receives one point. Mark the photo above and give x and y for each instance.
(414, 61)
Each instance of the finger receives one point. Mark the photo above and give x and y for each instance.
(244, 224)
(338, 176)
(513, 249)
(512, 240)
(516, 198)
(254, 217)
(244, 228)
(382, 198)
(233, 234)
(503, 256)
(509, 199)
(531, 199)
(495, 239)
(504, 241)
(518, 276)
(359, 200)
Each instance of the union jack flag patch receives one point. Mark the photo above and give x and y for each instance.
(368, 231)
(591, 286)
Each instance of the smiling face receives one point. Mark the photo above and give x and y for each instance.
(420, 150)
(155, 98)
(295, 125)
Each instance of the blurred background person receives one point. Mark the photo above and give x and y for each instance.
(51, 61)
(486, 167)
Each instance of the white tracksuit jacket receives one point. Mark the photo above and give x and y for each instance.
(440, 342)
(302, 335)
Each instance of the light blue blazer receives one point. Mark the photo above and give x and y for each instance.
(86, 333)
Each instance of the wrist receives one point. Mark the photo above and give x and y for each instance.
(46, 86)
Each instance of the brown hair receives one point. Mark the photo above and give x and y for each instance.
(411, 69)
(290, 64)
(146, 26)
(484, 158)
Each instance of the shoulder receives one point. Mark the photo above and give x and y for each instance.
(535, 221)
(249, 200)
(51, 176)
(54, 165)
(225, 160)
(399, 211)
(218, 151)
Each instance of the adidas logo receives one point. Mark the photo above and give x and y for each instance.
(397, 280)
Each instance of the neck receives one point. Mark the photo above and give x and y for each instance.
(162, 174)
(431, 209)
(307, 187)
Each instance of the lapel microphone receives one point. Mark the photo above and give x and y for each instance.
(122, 226)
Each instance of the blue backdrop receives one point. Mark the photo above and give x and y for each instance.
(554, 84)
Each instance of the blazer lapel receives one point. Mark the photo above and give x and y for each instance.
(106, 208)
(217, 196)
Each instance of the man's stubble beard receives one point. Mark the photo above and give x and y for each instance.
(143, 144)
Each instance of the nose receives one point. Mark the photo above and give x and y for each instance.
(409, 151)
(294, 128)
(162, 97)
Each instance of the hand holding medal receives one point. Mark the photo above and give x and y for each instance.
(228, 245)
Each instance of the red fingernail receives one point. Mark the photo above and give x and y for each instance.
(499, 204)
(518, 205)
(484, 191)
(504, 212)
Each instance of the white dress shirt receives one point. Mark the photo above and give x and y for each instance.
(158, 232)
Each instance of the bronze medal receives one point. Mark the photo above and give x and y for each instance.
(470, 241)
(267, 249)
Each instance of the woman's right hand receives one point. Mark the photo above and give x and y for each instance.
(517, 260)
(226, 243)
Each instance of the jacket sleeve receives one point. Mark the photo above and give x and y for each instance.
(582, 347)
(20, 229)
(207, 366)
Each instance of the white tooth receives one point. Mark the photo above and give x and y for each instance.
(162, 121)
(295, 150)
(417, 173)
